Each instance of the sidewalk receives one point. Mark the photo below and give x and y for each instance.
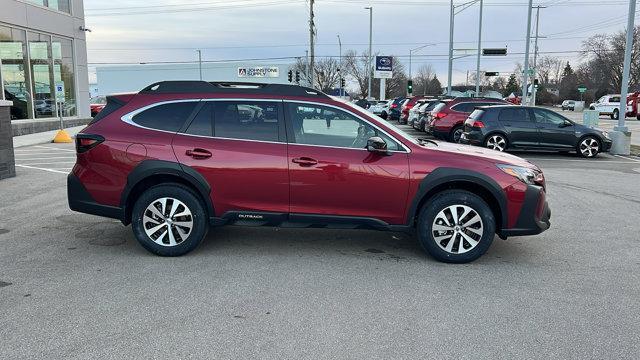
(42, 138)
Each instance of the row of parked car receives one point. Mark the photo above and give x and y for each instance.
(494, 123)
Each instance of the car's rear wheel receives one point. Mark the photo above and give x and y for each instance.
(496, 142)
(456, 226)
(456, 134)
(589, 147)
(169, 220)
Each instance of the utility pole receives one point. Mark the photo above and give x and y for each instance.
(525, 76)
(200, 63)
(369, 66)
(312, 34)
(479, 52)
(450, 72)
(620, 135)
(340, 65)
(535, 55)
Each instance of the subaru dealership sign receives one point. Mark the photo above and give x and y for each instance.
(259, 72)
(384, 67)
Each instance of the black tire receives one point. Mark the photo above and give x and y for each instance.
(615, 114)
(589, 141)
(193, 204)
(456, 132)
(440, 202)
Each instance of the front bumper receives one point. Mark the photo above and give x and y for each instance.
(535, 214)
(606, 145)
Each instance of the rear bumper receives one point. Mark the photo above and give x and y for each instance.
(81, 201)
(535, 214)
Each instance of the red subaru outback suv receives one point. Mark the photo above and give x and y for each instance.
(447, 118)
(179, 156)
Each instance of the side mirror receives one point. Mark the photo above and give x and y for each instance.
(566, 124)
(376, 144)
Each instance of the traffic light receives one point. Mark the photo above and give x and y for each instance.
(343, 83)
(410, 86)
(491, 73)
(535, 83)
(290, 75)
(297, 77)
(494, 52)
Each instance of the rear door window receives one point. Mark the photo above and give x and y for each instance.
(202, 123)
(514, 114)
(248, 120)
(166, 117)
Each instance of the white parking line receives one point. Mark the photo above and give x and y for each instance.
(47, 158)
(628, 158)
(54, 148)
(43, 169)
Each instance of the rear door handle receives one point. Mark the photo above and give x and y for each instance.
(199, 154)
(305, 161)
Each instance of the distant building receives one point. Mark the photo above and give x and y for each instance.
(133, 78)
(42, 43)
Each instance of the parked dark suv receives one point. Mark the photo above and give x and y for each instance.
(178, 157)
(523, 127)
(446, 120)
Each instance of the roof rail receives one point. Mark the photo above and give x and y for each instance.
(187, 86)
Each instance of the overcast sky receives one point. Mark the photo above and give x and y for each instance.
(133, 31)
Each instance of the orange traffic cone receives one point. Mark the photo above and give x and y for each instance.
(62, 137)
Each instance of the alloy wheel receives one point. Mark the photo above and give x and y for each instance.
(457, 134)
(589, 147)
(497, 142)
(457, 229)
(167, 221)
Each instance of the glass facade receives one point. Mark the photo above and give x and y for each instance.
(60, 5)
(31, 64)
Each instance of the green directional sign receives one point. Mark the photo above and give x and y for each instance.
(582, 89)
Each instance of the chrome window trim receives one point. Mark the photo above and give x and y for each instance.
(128, 118)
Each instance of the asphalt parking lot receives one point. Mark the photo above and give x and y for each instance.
(79, 286)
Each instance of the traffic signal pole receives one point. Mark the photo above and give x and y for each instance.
(621, 135)
(479, 52)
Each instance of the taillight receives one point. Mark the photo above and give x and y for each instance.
(393, 106)
(439, 115)
(86, 142)
(477, 124)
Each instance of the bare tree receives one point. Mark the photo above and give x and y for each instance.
(327, 76)
(355, 66)
(422, 79)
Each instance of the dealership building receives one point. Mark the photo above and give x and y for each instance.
(133, 78)
(43, 48)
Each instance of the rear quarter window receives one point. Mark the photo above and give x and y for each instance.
(166, 117)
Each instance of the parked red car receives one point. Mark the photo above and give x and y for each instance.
(178, 157)
(404, 112)
(97, 104)
(447, 118)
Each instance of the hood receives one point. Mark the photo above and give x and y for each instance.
(483, 154)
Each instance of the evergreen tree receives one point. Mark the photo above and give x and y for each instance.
(568, 84)
(512, 85)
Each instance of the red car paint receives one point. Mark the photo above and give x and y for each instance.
(445, 120)
(404, 114)
(261, 176)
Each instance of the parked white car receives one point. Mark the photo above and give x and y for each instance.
(414, 113)
(607, 105)
(377, 107)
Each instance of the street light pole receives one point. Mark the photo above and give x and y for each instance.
(340, 65)
(450, 72)
(525, 76)
(479, 51)
(200, 63)
(535, 57)
(369, 66)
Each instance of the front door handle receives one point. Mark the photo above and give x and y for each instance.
(305, 161)
(199, 154)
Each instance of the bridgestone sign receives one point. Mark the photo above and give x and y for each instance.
(259, 72)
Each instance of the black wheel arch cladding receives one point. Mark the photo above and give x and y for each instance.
(443, 176)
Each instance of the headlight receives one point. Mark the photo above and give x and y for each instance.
(526, 175)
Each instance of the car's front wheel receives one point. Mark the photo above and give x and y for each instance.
(169, 220)
(588, 147)
(456, 226)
